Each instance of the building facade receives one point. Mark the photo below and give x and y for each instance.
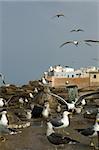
(83, 77)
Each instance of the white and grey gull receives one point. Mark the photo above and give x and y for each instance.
(57, 138)
(91, 131)
(61, 122)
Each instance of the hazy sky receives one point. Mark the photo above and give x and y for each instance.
(30, 37)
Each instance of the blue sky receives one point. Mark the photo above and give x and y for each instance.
(30, 37)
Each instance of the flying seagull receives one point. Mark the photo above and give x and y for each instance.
(74, 42)
(94, 41)
(67, 42)
(70, 106)
(77, 30)
(96, 59)
(59, 15)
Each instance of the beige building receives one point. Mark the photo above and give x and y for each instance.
(94, 78)
(83, 77)
(81, 82)
(63, 82)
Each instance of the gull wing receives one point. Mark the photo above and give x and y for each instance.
(80, 30)
(86, 132)
(92, 41)
(56, 122)
(66, 43)
(73, 30)
(84, 96)
(88, 44)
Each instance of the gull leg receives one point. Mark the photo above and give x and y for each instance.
(97, 147)
(92, 144)
(66, 132)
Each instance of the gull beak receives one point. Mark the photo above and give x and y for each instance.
(97, 121)
(70, 113)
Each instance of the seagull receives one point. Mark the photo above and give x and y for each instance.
(26, 100)
(58, 108)
(95, 59)
(21, 100)
(77, 30)
(5, 130)
(78, 109)
(69, 106)
(61, 123)
(39, 111)
(78, 102)
(83, 102)
(91, 113)
(75, 42)
(57, 138)
(3, 118)
(67, 42)
(88, 41)
(59, 15)
(44, 81)
(36, 110)
(31, 95)
(2, 102)
(94, 41)
(92, 130)
(46, 110)
(35, 90)
(28, 114)
(3, 78)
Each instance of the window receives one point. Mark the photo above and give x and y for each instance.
(72, 75)
(68, 76)
(94, 76)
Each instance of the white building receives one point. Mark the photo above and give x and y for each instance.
(69, 72)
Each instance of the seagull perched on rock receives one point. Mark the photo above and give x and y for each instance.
(77, 30)
(24, 115)
(2, 102)
(57, 138)
(5, 130)
(46, 110)
(40, 111)
(3, 118)
(91, 113)
(44, 81)
(91, 131)
(58, 108)
(35, 90)
(31, 95)
(83, 102)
